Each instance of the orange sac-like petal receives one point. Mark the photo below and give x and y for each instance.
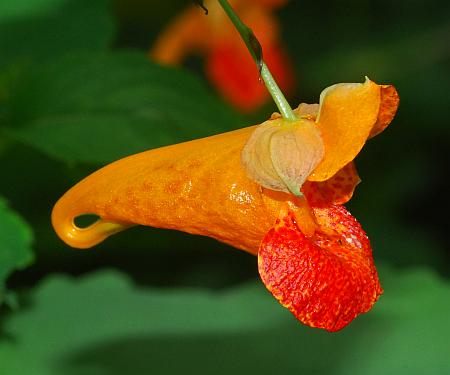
(347, 114)
(336, 190)
(388, 108)
(198, 187)
(325, 280)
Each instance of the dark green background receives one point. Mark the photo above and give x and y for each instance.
(77, 91)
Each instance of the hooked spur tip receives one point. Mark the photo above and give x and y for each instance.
(63, 222)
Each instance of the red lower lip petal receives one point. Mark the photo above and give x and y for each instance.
(325, 280)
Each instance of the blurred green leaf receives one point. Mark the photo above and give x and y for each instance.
(15, 243)
(17, 9)
(99, 108)
(101, 324)
(40, 30)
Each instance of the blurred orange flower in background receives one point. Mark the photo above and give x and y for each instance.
(228, 65)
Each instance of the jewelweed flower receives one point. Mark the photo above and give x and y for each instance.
(228, 64)
(313, 256)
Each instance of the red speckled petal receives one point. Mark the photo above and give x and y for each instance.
(389, 102)
(337, 190)
(325, 280)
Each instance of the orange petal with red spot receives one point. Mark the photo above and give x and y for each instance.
(388, 108)
(327, 280)
(347, 114)
(336, 190)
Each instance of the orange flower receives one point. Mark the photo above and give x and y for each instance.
(316, 260)
(228, 64)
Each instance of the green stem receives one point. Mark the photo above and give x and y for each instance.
(255, 50)
(277, 95)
